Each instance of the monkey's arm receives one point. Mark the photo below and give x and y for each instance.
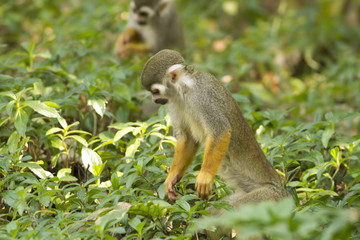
(128, 43)
(215, 150)
(184, 154)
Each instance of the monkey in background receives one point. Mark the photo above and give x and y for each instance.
(203, 113)
(153, 25)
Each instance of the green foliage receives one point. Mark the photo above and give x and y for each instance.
(81, 157)
(279, 221)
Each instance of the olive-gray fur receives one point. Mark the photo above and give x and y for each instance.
(155, 68)
(166, 27)
(203, 107)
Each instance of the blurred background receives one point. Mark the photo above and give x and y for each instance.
(80, 140)
(280, 54)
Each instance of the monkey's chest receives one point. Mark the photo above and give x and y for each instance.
(186, 119)
(196, 129)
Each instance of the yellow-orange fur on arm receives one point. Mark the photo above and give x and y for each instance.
(215, 150)
(128, 43)
(184, 154)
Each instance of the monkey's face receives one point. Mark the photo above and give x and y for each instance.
(158, 92)
(142, 14)
(174, 84)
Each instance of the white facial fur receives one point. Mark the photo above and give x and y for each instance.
(183, 79)
(161, 88)
(174, 67)
(148, 10)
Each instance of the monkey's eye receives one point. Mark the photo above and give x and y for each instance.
(143, 14)
(155, 91)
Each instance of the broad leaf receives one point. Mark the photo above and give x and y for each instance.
(90, 159)
(43, 109)
(99, 104)
(148, 210)
(36, 169)
(327, 134)
(64, 175)
(78, 139)
(53, 130)
(13, 141)
(122, 133)
(20, 121)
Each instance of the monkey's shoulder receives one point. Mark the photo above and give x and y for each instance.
(210, 90)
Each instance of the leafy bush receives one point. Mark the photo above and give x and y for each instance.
(83, 155)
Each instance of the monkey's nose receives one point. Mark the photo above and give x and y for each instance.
(161, 101)
(142, 23)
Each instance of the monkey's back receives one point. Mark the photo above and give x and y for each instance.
(245, 165)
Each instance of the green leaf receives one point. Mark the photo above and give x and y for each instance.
(13, 141)
(4, 77)
(28, 47)
(21, 93)
(240, 98)
(99, 104)
(139, 227)
(9, 94)
(21, 192)
(20, 121)
(13, 228)
(134, 222)
(53, 130)
(44, 200)
(132, 148)
(57, 143)
(78, 132)
(36, 169)
(123, 91)
(122, 133)
(327, 134)
(97, 169)
(55, 159)
(20, 206)
(44, 54)
(90, 159)
(9, 107)
(329, 116)
(64, 175)
(184, 205)
(43, 109)
(10, 196)
(112, 217)
(62, 122)
(78, 139)
(335, 154)
(148, 210)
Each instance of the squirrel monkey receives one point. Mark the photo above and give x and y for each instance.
(153, 25)
(203, 112)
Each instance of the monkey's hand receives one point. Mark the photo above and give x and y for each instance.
(203, 184)
(123, 48)
(169, 186)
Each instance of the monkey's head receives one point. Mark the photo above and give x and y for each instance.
(144, 10)
(161, 73)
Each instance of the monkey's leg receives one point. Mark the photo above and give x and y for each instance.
(215, 150)
(266, 193)
(184, 154)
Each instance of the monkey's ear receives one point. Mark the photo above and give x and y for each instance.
(174, 75)
(162, 7)
(174, 72)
